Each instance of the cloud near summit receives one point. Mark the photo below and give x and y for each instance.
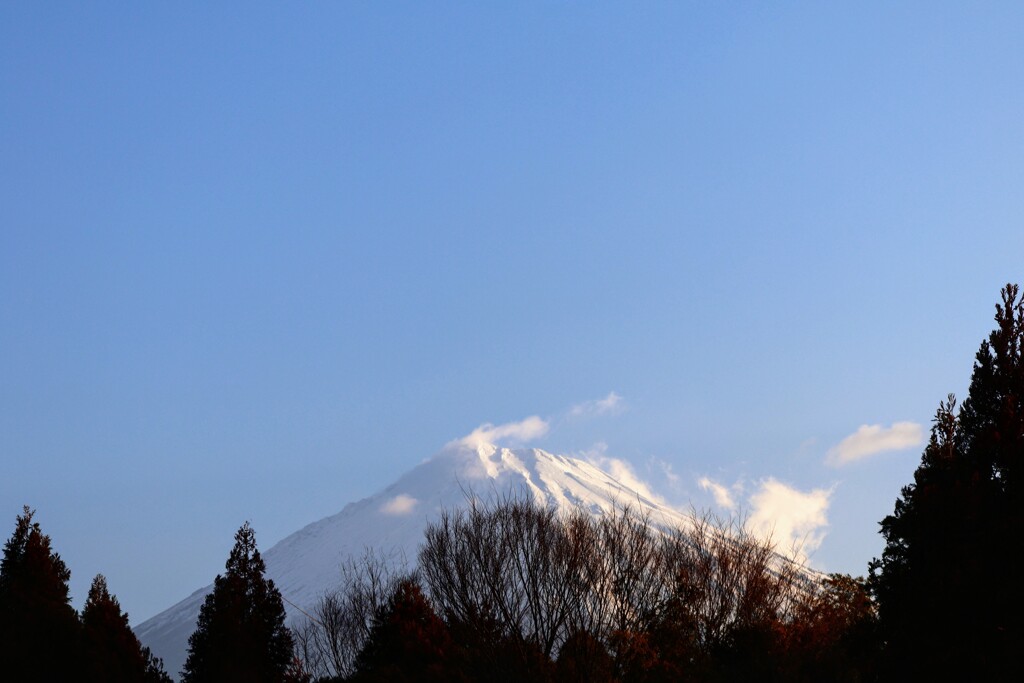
(534, 427)
(525, 430)
(402, 504)
(620, 470)
(723, 496)
(795, 521)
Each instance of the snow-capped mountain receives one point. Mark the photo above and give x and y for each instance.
(307, 563)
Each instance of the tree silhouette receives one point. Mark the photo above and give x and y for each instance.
(39, 631)
(833, 635)
(947, 584)
(240, 634)
(520, 585)
(408, 642)
(334, 633)
(584, 659)
(112, 652)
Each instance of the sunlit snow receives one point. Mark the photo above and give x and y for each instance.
(307, 563)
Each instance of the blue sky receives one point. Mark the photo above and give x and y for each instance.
(257, 261)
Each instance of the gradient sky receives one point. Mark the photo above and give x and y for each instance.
(257, 261)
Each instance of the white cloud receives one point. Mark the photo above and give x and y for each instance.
(723, 497)
(595, 452)
(529, 429)
(611, 404)
(399, 505)
(621, 471)
(795, 520)
(872, 439)
(666, 470)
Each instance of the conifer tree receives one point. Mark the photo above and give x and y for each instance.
(947, 585)
(584, 659)
(112, 652)
(408, 642)
(39, 632)
(240, 634)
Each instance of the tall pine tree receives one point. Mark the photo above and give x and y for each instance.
(240, 635)
(947, 585)
(112, 652)
(39, 632)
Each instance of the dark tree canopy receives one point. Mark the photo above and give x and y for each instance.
(948, 584)
(112, 652)
(240, 634)
(408, 642)
(39, 632)
(584, 659)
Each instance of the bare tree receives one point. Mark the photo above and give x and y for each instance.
(331, 636)
(515, 581)
(516, 570)
(728, 579)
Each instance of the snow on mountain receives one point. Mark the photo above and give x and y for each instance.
(307, 563)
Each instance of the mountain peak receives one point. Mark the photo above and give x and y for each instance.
(306, 564)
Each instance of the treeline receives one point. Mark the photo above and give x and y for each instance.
(42, 638)
(510, 591)
(513, 592)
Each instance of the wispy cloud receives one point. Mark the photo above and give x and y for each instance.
(665, 469)
(795, 521)
(612, 404)
(723, 497)
(534, 427)
(525, 430)
(873, 439)
(399, 505)
(620, 470)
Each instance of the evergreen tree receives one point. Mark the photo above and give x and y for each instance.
(584, 659)
(947, 584)
(408, 642)
(154, 671)
(112, 652)
(39, 631)
(240, 634)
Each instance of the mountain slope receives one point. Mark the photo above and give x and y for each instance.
(307, 563)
